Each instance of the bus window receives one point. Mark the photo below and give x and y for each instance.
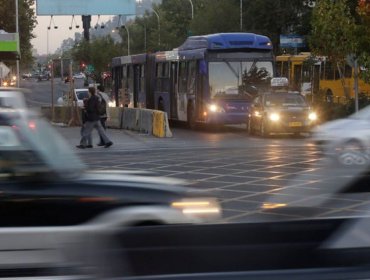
(329, 73)
(165, 77)
(239, 79)
(158, 75)
(142, 77)
(347, 71)
(191, 77)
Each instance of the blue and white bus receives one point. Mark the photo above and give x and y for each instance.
(208, 79)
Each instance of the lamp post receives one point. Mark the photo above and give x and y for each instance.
(159, 28)
(128, 39)
(17, 31)
(241, 15)
(192, 9)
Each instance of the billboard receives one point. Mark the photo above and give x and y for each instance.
(85, 7)
(292, 41)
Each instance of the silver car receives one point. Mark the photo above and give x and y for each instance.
(347, 140)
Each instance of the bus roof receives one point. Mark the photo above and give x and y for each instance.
(223, 41)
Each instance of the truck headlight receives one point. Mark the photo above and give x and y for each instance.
(312, 116)
(274, 117)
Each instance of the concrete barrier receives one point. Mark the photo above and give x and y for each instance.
(62, 114)
(115, 117)
(161, 126)
(142, 120)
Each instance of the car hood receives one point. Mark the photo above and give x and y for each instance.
(135, 179)
(338, 124)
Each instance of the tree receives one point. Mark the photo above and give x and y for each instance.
(97, 52)
(27, 22)
(334, 33)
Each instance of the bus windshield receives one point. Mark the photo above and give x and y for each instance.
(239, 79)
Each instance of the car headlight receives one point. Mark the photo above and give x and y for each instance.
(198, 207)
(274, 117)
(312, 116)
(214, 108)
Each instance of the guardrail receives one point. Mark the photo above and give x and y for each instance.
(148, 121)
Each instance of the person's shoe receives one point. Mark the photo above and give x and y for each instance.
(108, 144)
(80, 146)
(89, 146)
(101, 144)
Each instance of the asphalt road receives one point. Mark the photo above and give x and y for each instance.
(242, 171)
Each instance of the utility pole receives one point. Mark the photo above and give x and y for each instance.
(86, 23)
(17, 31)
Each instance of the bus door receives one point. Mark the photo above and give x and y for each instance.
(201, 86)
(136, 85)
(174, 89)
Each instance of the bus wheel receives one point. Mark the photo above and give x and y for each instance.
(191, 118)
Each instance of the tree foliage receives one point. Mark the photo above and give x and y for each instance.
(27, 22)
(333, 30)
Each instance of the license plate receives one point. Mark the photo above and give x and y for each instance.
(294, 124)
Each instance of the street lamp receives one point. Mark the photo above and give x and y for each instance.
(159, 23)
(159, 28)
(192, 9)
(128, 33)
(128, 39)
(17, 31)
(241, 15)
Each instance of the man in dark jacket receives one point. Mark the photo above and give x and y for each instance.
(93, 121)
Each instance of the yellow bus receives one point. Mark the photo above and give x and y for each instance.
(313, 75)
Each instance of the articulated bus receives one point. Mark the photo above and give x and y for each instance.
(208, 79)
(310, 75)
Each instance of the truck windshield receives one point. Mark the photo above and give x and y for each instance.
(239, 79)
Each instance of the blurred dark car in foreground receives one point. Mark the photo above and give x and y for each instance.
(49, 200)
(280, 112)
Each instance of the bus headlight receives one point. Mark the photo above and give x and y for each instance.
(214, 108)
(312, 116)
(274, 117)
(198, 207)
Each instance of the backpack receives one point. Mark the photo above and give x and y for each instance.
(102, 107)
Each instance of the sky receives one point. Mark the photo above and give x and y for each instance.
(56, 36)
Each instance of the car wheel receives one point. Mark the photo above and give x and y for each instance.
(263, 129)
(352, 153)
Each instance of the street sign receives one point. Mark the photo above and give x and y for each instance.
(4, 70)
(90, 68)
(292, 41)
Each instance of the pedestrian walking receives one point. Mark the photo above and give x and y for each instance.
(104, 112)
(84, 119)
(93, 121)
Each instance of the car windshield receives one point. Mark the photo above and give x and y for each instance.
(284, 100)
(239, 79)
(82, 94)
(30, 144)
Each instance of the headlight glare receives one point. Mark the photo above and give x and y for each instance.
(312, 116)
(274, 117)
(207, 206)
(214, 108)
